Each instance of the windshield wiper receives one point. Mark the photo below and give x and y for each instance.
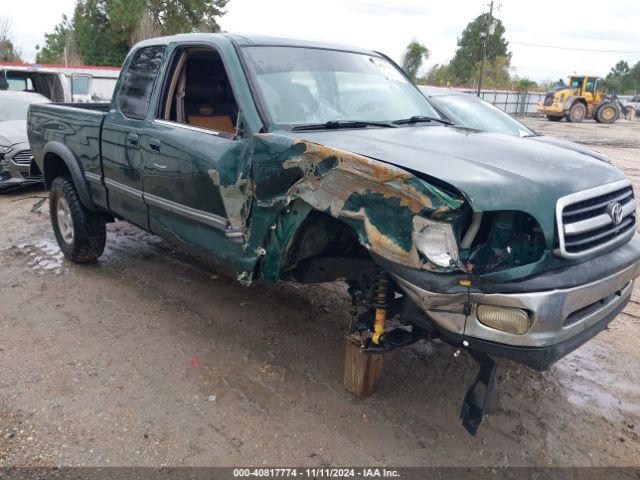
(343, 124)
(422, 118)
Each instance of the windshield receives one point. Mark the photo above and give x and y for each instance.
(15, 108)
(301, 86)
(470, 111)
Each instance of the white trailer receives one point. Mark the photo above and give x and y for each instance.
(61, 83)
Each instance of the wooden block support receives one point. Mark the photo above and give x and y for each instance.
(361, 371)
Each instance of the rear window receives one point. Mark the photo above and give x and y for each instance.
(138, 80)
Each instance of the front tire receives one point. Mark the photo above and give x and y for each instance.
(80, 233)
(607, 114)
(577, 113)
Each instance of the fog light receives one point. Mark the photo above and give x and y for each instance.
(510, 320)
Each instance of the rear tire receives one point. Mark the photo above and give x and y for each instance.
(553, 118)
(80, 233)
(607, 113)
(577, 113)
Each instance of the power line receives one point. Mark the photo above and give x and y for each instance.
(559, 47)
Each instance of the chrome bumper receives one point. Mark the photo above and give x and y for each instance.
(556, 315)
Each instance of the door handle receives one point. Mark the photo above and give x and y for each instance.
(132, 140)
(161, 167)
(154, 144)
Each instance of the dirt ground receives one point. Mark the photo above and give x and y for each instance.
(149, 358)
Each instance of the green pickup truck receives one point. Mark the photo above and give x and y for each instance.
(286, 159)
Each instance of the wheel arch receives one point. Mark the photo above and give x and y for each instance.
(320, 235)
(569, 102)
(606, 102)
(59, 160)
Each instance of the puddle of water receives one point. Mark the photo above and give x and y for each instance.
(44, 256)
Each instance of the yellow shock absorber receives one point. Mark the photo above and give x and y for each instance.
(382, 306)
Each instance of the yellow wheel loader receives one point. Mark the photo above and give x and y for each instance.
(583, 97)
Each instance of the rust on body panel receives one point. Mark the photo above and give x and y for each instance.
(379, 201)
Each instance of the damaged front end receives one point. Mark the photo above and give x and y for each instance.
(413, 252)
(319, 214)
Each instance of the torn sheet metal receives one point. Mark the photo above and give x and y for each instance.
(381, 197)
(378, 200)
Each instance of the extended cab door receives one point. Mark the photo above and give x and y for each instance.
(193, 153)
(121, 132)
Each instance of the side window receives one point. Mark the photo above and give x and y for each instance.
(138, 80)
(199, 93)
(591, 84)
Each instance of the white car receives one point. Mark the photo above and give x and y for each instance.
(469, 111)
(16, 161)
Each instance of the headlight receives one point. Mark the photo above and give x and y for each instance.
(436, 241)
(4, 150)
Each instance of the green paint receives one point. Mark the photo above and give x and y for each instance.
(386, 214)
(281, 238)
(439, 197)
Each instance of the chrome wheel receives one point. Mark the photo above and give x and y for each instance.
(65, 222)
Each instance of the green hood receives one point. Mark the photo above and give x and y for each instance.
(493, 171)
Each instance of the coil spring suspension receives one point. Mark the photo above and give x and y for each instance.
(382, 303)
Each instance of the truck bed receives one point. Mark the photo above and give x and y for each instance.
(72, 126)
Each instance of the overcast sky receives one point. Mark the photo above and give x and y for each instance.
(388, 26)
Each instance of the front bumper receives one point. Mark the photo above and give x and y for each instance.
(563, 317)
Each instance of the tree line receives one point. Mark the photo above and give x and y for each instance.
(101, 32)
(624, 79)
(8, 50)
(464, 68)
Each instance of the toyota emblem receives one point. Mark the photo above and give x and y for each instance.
(615, 212)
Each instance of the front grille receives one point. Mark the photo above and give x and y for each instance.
(587, 220)
(548, 100)
(23, 157)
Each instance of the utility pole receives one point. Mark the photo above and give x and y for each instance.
(484, 46)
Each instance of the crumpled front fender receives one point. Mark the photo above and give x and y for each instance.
(379, 201)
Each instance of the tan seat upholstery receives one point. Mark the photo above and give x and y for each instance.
(222, 123)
